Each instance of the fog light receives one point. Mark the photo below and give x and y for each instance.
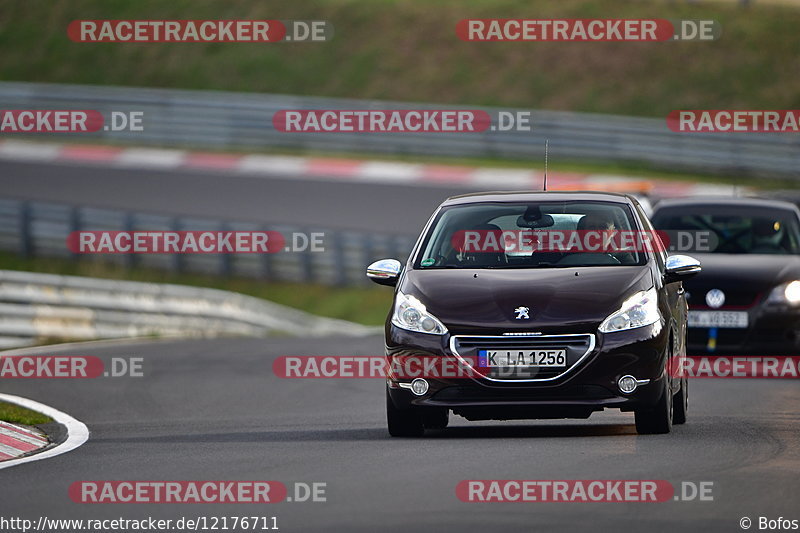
(627, 384)
(419, 386)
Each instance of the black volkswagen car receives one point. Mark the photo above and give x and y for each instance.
(546, 330)
(747, 300)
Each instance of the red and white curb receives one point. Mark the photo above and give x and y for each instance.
(389, 172)
(15, 441)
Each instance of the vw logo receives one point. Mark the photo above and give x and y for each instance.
(715, 298)
(522, 313)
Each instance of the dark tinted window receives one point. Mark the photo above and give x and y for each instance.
(731, 229)
(525, 235)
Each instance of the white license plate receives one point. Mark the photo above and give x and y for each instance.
(522, 358)
(718, 319)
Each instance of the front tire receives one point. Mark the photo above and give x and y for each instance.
(657, 419)
(403, 422)
(681, 403)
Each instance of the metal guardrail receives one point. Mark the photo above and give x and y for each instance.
(35, 307)
(223, 120)
(39, 229)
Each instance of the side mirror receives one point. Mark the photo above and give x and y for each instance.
(681, 267)
(385, 272)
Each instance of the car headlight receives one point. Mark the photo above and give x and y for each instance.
(786, 293)
(639, 310)
(409, 313)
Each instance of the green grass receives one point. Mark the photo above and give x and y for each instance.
(407, 50)
(15, 414)
(364, 305)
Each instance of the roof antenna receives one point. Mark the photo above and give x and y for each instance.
(546, 143)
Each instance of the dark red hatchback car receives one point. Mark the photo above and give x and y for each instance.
(531, 296)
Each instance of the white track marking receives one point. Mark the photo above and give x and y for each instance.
(77, 432)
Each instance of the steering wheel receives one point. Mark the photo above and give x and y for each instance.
(737, 248)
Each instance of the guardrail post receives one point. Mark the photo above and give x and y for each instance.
(128, 225)
(74, 225)
(177, 262)
(266, 261)
(368, 254)
(25, 244)
(394, 250)
(403, 246)
(339, 266)
(305, 260)
(226, 260)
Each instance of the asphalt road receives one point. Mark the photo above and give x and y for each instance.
(327, 202)
(212, 410)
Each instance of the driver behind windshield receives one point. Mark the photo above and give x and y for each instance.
(603, 222)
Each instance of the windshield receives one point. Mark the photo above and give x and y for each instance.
(532, 235)
(732, 229)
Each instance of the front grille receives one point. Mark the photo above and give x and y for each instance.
(576, 346)
(734, 298)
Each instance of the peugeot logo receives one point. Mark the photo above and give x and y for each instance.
(715, 298)
(522, 313)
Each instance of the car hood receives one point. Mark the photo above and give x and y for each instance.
(564, 300)
(743, 277)
(749, 268)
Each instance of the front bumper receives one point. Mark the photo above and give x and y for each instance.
(590, 385)
(772, 330)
